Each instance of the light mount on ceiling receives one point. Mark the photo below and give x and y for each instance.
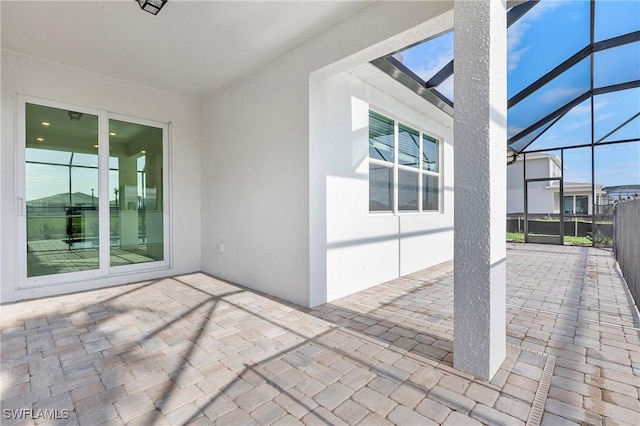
(151, 6)
(74, 115)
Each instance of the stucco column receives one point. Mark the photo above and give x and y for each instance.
(480, 50)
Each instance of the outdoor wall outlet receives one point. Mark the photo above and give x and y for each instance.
(221, 247)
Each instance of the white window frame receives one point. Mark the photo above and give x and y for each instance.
(575, 203)
(105, 270)
(420, 171)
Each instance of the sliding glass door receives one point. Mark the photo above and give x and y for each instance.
(135, 179)
(61, 182)
(94, 193)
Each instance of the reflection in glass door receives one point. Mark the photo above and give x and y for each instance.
(61, 185)
(136, 188)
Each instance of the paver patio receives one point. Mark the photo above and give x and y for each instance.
(195, 349)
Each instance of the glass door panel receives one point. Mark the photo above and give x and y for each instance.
(61, 185)
(568, 204)
(136, 193)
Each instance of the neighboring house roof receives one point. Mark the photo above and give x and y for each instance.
(62, 199)
(621, 188)
(575, 186)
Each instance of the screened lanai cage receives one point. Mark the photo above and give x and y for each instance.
(573, 112)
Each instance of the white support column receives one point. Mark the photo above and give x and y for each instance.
(480, 133)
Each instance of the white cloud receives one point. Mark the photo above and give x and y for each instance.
(599, 104)
(601, 117)
(577, 124)
(432, 66)
(431, 56)
(560, 94)
(519, 29)
(514, 130)
(514, 57)
(584, 108)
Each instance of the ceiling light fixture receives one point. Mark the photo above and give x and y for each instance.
(44, 123)
(151, 6)
(74, 116)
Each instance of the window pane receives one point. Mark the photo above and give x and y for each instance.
(381, 137)
(430, 193)
(407, 190)
(61, 198)
(408, 148)
(136, 210)
(582, 204)
(380, 188)
(430, 157)
(568, 204)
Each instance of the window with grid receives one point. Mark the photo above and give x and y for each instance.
(404, 167)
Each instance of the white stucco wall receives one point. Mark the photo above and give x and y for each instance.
(515, 188)
(541, 200)
(364, 249)
(256, 156)
(30, 76)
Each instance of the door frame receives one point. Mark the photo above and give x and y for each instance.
(104, 270)
(544, 239)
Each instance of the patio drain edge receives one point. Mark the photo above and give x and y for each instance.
(540, 399)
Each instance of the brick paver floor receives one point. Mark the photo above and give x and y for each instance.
(194, 349)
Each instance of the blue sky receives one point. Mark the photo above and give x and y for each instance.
(548, 34)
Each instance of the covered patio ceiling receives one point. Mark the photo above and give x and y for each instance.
(573, 73)
(192, 48)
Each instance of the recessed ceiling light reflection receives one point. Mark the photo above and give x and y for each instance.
(44, 123)
(112, 133)
(40, 139)
(144, 152)
(95, 146)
